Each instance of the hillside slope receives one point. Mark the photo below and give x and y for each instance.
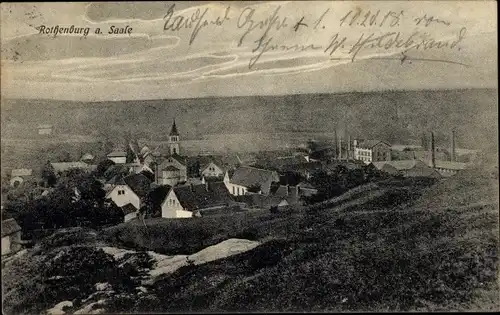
(397, 245)
(390, 115)
(439, 252)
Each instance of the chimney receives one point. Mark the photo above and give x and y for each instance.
(433, 149)
(452, 153)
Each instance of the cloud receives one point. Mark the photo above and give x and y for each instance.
(159, 63)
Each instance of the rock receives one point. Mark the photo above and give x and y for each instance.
(91, 308)
(224, 249)
(58, 309)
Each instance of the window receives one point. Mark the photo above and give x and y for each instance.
(121, 192)
(234, 193)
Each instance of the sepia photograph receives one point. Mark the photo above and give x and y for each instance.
(249, 156)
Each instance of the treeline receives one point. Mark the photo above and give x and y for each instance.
(74, 198)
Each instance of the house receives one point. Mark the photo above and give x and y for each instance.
(19, 175)
(448, 168)
(129, 212)
(372, 151)
(11, 236)
(407, 168)
(155, 198)
(45, 129)
(119, 157)
(131, 189)
(184, 201)
(250, 179)
(66, 166)
(171, 171)
(212, 169)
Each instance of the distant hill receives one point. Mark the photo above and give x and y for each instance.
(396, 116)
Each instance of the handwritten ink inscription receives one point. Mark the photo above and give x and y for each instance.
(356, 31)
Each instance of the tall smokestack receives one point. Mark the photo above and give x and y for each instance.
(348, 146)
(433, 149)
(340, 147)
(453, 154)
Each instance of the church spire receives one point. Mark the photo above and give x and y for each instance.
(173, 131)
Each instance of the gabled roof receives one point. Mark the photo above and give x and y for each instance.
(410, 167)
(9, 227)
(145, 151)
(117, 154)
(173, 131)
(368, 144)
(197, 197)
(401, 165)
(179, 158)
(21, 172)
(216, 162)
(139, 184)
(128, 208)
(450, 165)
(249, 176)
(158, 194)
(170, 168)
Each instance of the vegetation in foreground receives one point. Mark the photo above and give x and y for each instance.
(392, 246)
(428, 253)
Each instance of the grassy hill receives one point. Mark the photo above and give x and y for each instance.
(397, 245)
(389, 115)
(434, 250)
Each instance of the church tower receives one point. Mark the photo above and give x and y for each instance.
(173, 140)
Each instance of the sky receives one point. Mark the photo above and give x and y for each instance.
(152, 62)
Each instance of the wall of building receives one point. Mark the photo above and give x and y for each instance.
(11, 243)
(166, 178)
(381, 152)
(172, 208)
(119, 159)
(362, 154)
(236, 190)
(171, 178)
(127, 197)
(5, 245)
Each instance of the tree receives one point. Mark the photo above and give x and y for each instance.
(102, 167)
(48, 174)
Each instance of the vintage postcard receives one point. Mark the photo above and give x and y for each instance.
(249, 156)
